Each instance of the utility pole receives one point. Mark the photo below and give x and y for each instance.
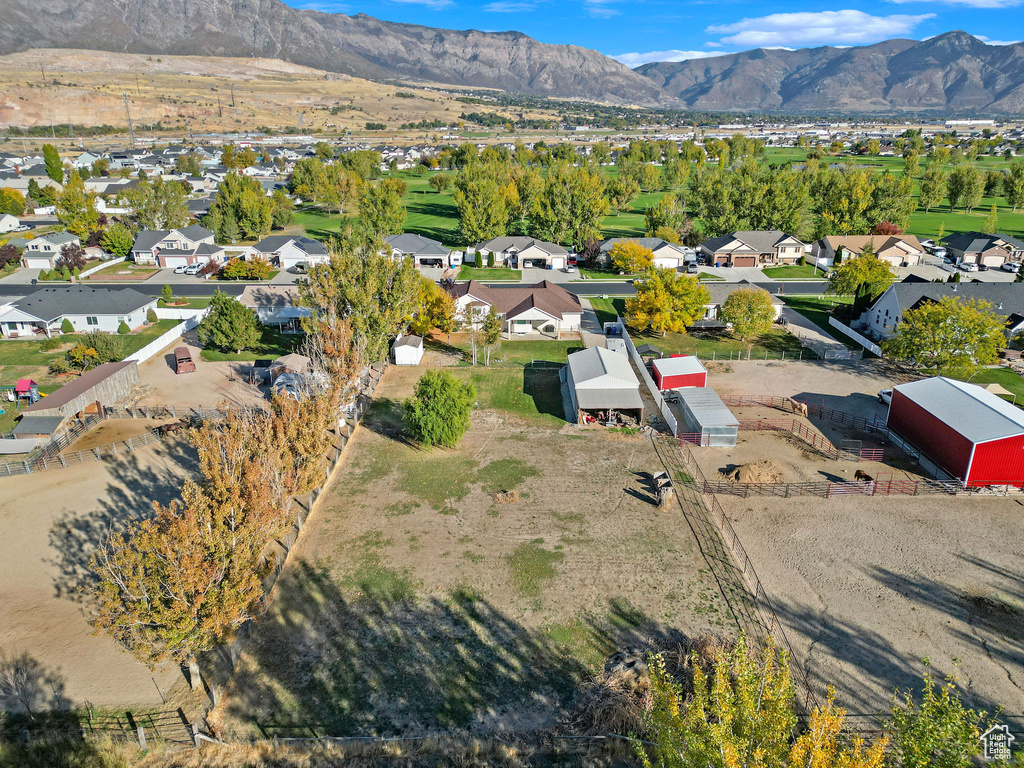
(232, 97)
(220, 109)
(131, 128)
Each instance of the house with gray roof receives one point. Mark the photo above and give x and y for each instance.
(422, 250)
(42, 252)
(87, 309)
(883, 317)
(753, 248)
(517, 252)
(979, 248)
(193, 244)
(289, 251)
(666, 255)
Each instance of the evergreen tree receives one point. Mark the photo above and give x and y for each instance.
(228, 325)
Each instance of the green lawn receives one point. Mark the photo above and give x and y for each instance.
(604, 274)
(9, 415)
(532, 391)
(136, 273)
(191, 302)
(489, 273)
(273, 344)
(817, 310)
(794, 272)
(511, 354)
(707, 345)
(706, 277)
(1004, 376)
(273, 273)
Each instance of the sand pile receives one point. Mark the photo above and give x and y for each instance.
(759, 472)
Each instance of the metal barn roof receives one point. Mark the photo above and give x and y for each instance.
(706, 408)
(967, 409)
(677, 366)
(604, 379)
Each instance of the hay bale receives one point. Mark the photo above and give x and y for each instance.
(763, 471)
(505, 497)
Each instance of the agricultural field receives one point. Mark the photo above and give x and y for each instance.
(472, 589)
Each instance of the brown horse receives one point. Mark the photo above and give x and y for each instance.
(861, 476)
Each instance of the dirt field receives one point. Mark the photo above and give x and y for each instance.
(868, 587)
(114, 430)
(50, 524)
(210, 384)
(418, 599)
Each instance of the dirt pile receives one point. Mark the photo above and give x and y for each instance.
(764, 471)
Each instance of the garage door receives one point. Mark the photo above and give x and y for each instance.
(744, 261)
(992, 259)
(175, 261)
(667, 263)
(557, 262)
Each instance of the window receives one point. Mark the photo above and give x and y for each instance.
(92, 321)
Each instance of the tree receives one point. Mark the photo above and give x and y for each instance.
(12, 202)
(621, 191)
(570, 206)
(76, 208)
(439, 182)
(940, 732)
(492, 328)
(51, 160)
(189, 164)
(363, 285)
(158, 204)
(952, 336)
(630, 256)
(933, 187)
(751, 312)
(669, 212)
(229, 325)
(8, 255)
(666, 301)
(71, 257)
(381, 211)
(966, 186)
(843, 200)
(892, 200)
(434, 306)
(739, 716)
(886, 228)
(117, 240)
(991, 222)
(484, 198)
(911, 164)
(823, 744)
(167, 294)
(283, 212)
(438, 411)
(1013, 185)
(240, 208)
(865, 277)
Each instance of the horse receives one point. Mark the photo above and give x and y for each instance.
(861, 476)
(798, 407)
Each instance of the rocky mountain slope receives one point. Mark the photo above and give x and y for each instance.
(356, 45)
(950, 73)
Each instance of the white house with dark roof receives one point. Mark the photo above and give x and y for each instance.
(288, 251)
(42, 252)
(546, 308)
(979, 248)
(422, 250)
(175, 247)
(87, 309)
(517, 252)
(666, 255)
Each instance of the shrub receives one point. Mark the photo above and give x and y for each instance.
(65, 274)
(66, 326)
(76, 273)
(123, 328)
(59, 365)
(490, 259)
(151, 316)
(167, 294)
(50, 344)
(44, 275)
(438, 411)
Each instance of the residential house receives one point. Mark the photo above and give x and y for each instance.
(87, 309)
(666, 255)
(882, 318)
(289, 252)
(544, 308)
(518, 252)
(275, 305)
(898, 250)
(422, 250)
(756, 248)
(8, 223)
(177, 247)
(979, 248)
(42, 252)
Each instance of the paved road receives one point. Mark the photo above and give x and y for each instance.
(596, 288)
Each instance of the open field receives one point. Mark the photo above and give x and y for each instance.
(50, 525)
(416, 601)
(867, 587)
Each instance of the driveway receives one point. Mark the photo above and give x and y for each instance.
(210, 385)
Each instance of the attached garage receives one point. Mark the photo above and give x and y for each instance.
(993, 258)
(682, 371)
(558, 262)
(744, 261)
(967, 431)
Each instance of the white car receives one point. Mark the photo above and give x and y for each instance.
(570, 270)
(1010, 266)
(194, 269)
(969, 267)
(180, 269)
(885, 396)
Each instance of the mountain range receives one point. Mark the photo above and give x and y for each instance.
(950, 73)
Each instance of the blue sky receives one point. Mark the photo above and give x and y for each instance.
(638, 31)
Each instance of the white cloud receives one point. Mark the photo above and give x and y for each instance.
(435, 4)
(324, 6)
(996, 42)
(846, 27)
(972, 3)
(602, 9)
(509, 6)
(634, 60)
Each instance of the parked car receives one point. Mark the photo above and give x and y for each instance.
(1010, 266)
(969, 267)
(885, 396)
(180, 269)
(194, 269)
(183, 362)
(569, 270)
(691, 268)
(983, 267)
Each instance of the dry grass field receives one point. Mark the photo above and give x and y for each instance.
(202, 94)
(472, 589)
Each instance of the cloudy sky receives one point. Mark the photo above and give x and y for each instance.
(638, 31)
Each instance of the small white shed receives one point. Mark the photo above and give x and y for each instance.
(407, 350)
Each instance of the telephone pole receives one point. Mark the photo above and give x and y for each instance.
(131, 128)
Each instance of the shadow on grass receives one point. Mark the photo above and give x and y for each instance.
(542, 384)
(367, 665)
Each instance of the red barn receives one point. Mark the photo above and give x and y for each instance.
(966, 430)
(679, 371)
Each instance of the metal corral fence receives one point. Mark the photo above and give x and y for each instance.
(638, 361)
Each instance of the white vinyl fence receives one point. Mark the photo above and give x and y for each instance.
(861, 339)
(666, 412)
(175, 333)
(98, 267)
